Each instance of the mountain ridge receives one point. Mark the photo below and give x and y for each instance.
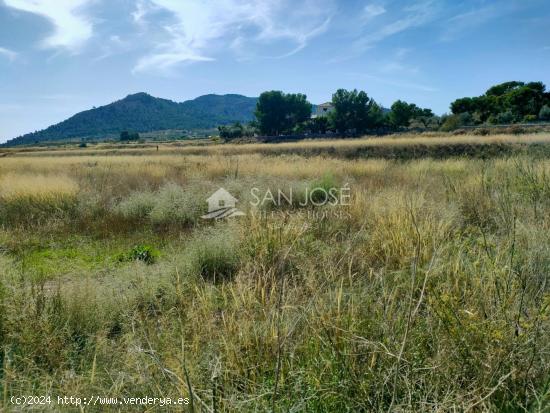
(142, 112)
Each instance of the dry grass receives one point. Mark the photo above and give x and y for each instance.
(429, 292)
(308, 146)
(19, 185)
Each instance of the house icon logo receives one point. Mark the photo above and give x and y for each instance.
(221, 204)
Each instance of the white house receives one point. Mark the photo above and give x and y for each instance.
(322, 110)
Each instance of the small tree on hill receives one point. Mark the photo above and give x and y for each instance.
(126, 136)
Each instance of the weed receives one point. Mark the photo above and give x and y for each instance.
(144, 253)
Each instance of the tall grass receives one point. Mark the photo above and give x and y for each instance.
(428, 292)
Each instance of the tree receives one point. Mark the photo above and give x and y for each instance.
(505, 117)
(236, 130)
(525, 100)
(464, 105)
(402, 113)
(511, 101)
(279, 113)
(126, 136)
(503, 88)
(320, 124)
(354, 111)
(544, 113)
(231, 131)
(298, 109)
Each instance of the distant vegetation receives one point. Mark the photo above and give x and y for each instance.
(129, 136)
(276, 113)
(144, 113)
(509, 102)
(236, 130)
(354, 112)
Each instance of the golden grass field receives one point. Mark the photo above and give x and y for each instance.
(342, 146)
(427, 292)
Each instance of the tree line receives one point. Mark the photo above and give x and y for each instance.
(509, 102)
(354, 112)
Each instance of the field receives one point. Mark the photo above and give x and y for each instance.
(427, 291)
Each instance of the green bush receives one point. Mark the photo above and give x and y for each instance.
(466, 118)
(505, 117)
(126, 136)
(544, 113)
(450, 123)
(137, 206)
(144, 253)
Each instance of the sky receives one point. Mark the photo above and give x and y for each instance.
(59, 57)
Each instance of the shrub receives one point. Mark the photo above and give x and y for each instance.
(126, 136)
(171, 204)
(450, 123)
(236, 130)
(174, 205)
(505, 117)
(515, 130)
(544, 113)
(482, 131)
(137, 206)
(144, 253)
(466, 118)
(326, 183)
(214, 255)
(530, 118)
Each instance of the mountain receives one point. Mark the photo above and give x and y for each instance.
(141, 112)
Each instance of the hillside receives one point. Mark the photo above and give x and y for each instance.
(144, 113)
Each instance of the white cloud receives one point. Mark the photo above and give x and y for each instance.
(9, 54)
(414, 16)
(373, 10)
(143, 7)
(201, 27)
(465, 22)
(71, 27)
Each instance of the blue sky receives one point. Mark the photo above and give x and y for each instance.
(58, 57)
